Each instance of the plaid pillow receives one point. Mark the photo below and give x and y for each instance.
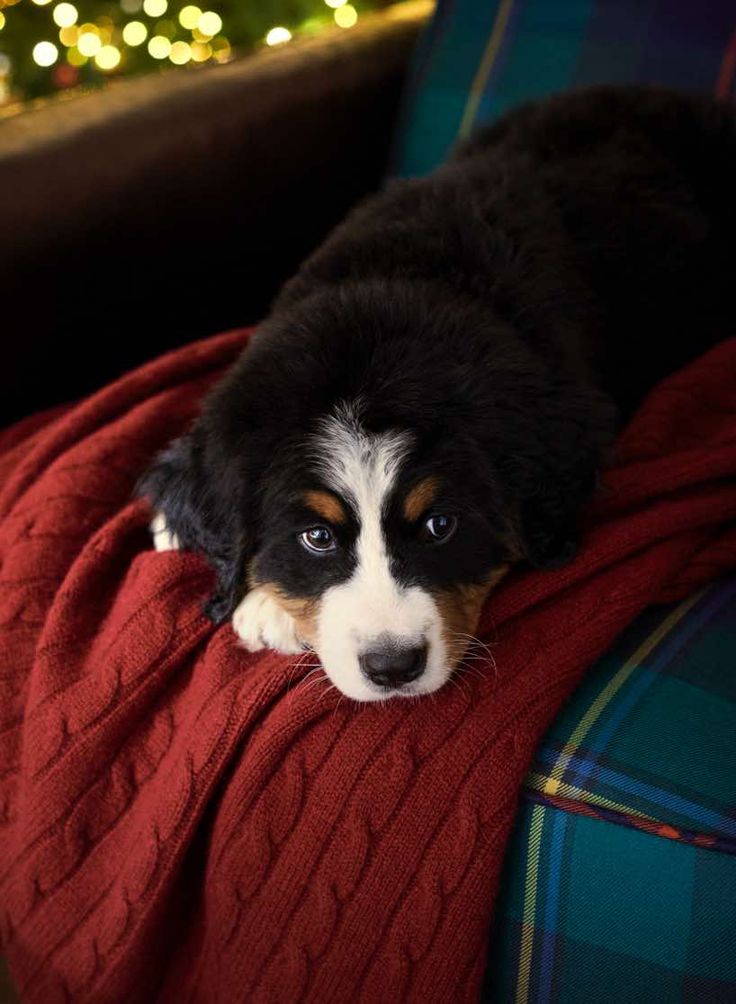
(479, 59)
(620, 882)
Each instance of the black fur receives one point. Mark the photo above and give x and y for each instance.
(509, 310)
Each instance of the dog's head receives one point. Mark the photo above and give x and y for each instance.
(369, 470)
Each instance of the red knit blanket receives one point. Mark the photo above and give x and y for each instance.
(182, 820)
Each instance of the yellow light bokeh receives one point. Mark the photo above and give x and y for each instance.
(278, 35)
(189, 16)
(2, 20)
(65, 15)
(69, 36)
(181, 53)
(45, 53)
(41, 3)
(108, 57)
(135, 33)
(201, 52)
(210, 23)
(75, 58)
(159, 47)
(89, 43)
(221, 50)
(346, 16)
(155, 8)
(336, 3)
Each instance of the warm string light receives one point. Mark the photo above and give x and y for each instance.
(104, 43)
(45, 53)
(278, 35)
(159, 47)
(65, 15)
(189, 17)
(346, 16)
(108, 58)
(135, 33)
(89, 42)
(155, 8)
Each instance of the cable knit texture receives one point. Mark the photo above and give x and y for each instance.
(181, 820)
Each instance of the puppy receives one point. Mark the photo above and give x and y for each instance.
(433, 395)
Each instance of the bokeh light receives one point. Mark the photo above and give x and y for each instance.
(159, 47)
(69, 36)
(278, 35)
(65, 15)
(89, 43)
(189, 16)
(221, 51)
(346, 16)
(155, 8)
(108, 57)
(135, 33)
(210, 23)
(45, 53)
(131, 36)
(180, 54)
(201, 52)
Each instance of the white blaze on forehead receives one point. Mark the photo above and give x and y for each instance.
(363, 467)
(360, 466)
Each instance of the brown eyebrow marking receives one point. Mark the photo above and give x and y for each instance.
(326, 506)
(420, 497)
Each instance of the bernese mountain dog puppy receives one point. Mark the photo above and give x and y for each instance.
(433, 396)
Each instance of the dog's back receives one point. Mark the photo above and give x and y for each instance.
(599, 222)
(642, 181)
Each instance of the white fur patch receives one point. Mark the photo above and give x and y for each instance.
(163, 539)
(260, 622)
(362, 468)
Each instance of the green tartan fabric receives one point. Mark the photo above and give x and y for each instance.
(480, 58)
(620, 881)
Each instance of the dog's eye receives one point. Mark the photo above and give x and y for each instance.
(438, 529)
(318, 538)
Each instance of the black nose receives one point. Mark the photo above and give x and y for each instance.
(394, 666)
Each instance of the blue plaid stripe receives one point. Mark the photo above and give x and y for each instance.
(478, 60)
(595, 905)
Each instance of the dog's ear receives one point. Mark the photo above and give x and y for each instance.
(182, 485)
(564, 454)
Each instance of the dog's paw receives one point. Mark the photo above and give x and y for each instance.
(260, 622)
(163, 539)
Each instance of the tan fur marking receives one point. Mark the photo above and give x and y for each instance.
(303, 610)
(326, 506)
(460, 609)
(420, 498)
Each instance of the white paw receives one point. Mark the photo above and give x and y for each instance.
(163, 539)
(260, 622)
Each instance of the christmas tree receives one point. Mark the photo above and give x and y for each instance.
(48, 46)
